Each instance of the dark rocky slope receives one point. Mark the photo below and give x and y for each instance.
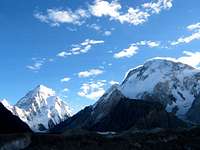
(123, 115)
(194, 111)
(10, 123)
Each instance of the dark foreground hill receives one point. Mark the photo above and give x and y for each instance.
(156, 139)
(10, 123)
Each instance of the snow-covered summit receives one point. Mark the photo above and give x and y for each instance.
(174, 84)
(40, 108)
(37, 96)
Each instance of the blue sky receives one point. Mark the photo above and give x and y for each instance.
(80, 48)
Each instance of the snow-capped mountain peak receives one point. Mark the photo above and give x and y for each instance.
(37, 96)
(172, 83)
(175, 85)
(40, 108)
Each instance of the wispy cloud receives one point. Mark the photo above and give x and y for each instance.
(134, 47)
(107, 33)
(65, 90)
(37, 64)
(66, 79)
(134, 16)
(113, 10)
(156, 7)
(64, 54)
(99, 29)
(129, 52)
(150, 44)
(94, 26)
(92, 90)
(89, 73)
(102, 8)
(112, 82)
(55, 17)
(83, 47)
(195, 29)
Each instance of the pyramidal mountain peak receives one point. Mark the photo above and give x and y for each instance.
(40, 108)
(38, 95)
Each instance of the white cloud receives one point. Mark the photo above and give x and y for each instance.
(150, 44)
(65, 90)
(102, 8)
(91, 42)
(99, 29)
(92, 90)
(38, 63)
(129, 52)
(153, 44)
(133, 16)
(107, 33)
(134, 47)
(63, 54)
(89, 73)
(188, 39)
(55, 17)
(83, 47)
(112, 82)
(195, 28)
(156, 7)
(190, 58)
(94, 26)
(66, 79)
(113, 10)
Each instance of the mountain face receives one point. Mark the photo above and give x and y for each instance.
(10, 123)
(193, 114)
(173, 84)
(40, 108)
(114, 112)
(151, 95)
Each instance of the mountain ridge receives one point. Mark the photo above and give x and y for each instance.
(174, 85)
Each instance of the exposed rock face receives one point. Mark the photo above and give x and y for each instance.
(122, 114)
(10, 123)
(174, 85)
(137, 114)
(193, 114)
